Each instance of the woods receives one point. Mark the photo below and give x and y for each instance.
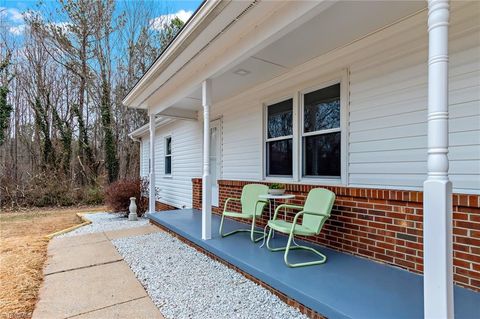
(63, 128)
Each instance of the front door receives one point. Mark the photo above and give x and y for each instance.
(215, 157)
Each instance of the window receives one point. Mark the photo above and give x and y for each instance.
(279, 138)
(321, 134)
(168, 155)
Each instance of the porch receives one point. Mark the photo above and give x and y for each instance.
(345, 287)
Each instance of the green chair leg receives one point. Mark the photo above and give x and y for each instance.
(290, 247)
(252, 231)
(268, 242)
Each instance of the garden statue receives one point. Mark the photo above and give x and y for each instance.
(133, 209)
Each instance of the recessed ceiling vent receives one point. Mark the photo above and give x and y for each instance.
(241, 72)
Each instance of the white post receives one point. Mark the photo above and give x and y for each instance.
(151, 193)
(206, 183)
(437, 203)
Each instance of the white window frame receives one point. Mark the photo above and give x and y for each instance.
(165, 155)
(317, 133)
(341, 77)
(266, 139)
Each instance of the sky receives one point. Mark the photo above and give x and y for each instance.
(12, 11)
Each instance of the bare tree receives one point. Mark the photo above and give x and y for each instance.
(63, 127)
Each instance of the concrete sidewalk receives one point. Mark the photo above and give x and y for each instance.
(85, 277)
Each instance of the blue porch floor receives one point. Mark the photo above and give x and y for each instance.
(345, 287)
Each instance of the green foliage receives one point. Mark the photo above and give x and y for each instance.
(277, 186)
(83, 145)
(5, 108)
(5, 111)
(111, 160)
(41, 120)
(169, 31)
(66, 138)
(93, 195)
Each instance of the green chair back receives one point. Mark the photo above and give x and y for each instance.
(320, 201)
(250, 193)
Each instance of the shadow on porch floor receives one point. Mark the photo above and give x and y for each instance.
(345, 287)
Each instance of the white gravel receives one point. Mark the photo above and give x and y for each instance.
(185, 283)
(105, 222)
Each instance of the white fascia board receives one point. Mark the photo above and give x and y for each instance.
(192, 25)
(137, 134)
(177, 113)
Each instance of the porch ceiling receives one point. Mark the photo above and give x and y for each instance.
(336, 26)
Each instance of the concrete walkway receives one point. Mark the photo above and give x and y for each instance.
(85, 277)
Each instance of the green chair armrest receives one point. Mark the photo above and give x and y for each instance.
(297, 215)
(228, 200)
(285, 206)
(263, 201)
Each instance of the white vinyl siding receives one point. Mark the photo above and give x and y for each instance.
(242, 140)
(387, 135)
(144, 157)
(175, 189)
(388, 111)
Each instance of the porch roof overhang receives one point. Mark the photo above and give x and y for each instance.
(240, 44)
(143, 130)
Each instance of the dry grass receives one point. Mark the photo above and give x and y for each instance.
(23, 250)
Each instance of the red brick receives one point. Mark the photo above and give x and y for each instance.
(467, 257)
(367, 222)
(461, 263)
(461, 279)
(467, 241)
(467, 225)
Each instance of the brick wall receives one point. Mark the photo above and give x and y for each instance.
(159, 206)
(382, 225)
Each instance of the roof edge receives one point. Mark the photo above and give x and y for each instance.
(204, 9)
(139, 132)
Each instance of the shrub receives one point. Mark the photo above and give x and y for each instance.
(45, 190)
(93, 196)
(142, 201)
(117, 196)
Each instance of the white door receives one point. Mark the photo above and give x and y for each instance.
(215, 157)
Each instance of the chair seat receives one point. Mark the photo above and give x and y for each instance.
(238, 215)
(285, 227)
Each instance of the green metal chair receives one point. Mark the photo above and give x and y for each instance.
(316, 211)
(252, 208)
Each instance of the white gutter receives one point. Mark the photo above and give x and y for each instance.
(141, 131)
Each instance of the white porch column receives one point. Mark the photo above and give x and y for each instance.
(437, 203)
(206, 183)
(151, 196)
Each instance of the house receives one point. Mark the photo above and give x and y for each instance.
(377, 101)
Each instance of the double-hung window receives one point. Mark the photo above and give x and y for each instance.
(321, 133)
(168, 155)
(279, 139)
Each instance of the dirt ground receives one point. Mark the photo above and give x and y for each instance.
(23, 248)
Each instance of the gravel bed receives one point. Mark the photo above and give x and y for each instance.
(184, 283)
(105, 222)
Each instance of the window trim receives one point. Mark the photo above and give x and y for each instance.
(297, 94)
(318, 132)
(266, 140)
(165, 155)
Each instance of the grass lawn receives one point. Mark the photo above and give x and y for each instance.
(23, 250)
